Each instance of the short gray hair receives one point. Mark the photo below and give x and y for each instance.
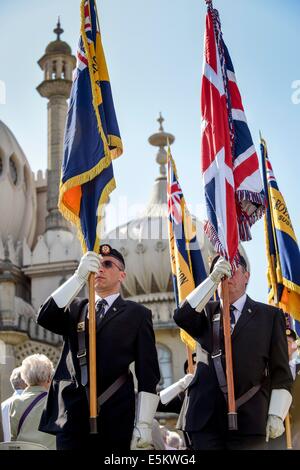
(16, 380)
(36, 369)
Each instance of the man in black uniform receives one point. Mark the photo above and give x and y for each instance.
(262, 376)
(124, 335)
(295, 369)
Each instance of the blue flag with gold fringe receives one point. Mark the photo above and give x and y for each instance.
(283, 253)
(187, 265)
(92, 137)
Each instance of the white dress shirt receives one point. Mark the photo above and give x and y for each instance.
(5, 409)
(109, 299)
(238, 307)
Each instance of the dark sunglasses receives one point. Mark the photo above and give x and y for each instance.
(108, 264)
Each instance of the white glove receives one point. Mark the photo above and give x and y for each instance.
(222, 268)
(142, 433)
(173, 390)
(275, 427)
(89, 263)
(142, 437)
(199, 297)
(63, 296)
(185, 381)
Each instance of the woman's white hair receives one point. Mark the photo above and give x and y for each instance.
(16, 380)
(36, 369)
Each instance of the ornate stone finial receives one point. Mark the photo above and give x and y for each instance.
(160, 139)
(160, 120)
(58, 30)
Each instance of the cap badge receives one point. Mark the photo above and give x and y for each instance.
(105, 250)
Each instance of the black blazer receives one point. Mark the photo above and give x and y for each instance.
(125, 335)
(259, 345)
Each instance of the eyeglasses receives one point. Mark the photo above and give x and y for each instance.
(108, 264)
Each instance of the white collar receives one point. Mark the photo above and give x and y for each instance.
(109, 299)
(239, 303)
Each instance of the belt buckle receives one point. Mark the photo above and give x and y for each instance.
(81, 354)
(216, 317)
(80, 327)
(218, 354)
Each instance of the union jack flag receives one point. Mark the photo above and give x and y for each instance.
(174, 201)
(232, 182)
(187, 265)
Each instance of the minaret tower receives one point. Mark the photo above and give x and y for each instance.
(58, 64)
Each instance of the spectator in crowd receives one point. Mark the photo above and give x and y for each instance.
(18, 386)
(173, 441)
(25, 413)
(157, 436)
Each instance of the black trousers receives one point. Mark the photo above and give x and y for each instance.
(209, 440)
(112, 436)
(71, 441)
(216, 436)
(115, 426)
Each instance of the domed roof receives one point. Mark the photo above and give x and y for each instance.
(144, 243)
(58, 47)
(17, 190)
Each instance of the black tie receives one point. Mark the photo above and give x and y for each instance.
(232, 318)
(100, 311)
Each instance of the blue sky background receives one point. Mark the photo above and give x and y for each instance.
(154, 51)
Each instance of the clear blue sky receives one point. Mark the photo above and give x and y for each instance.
(154, 51)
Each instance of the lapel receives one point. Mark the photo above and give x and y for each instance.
(246, 315)
(114, 310)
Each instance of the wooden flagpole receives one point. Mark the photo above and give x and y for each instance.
(92, 357)
(288, 432)
(232, 414)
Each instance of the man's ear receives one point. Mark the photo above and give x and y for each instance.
(122, 276)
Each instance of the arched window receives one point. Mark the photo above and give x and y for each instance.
(13, 171)
(165, 366)
(54, 71)
(27, 178)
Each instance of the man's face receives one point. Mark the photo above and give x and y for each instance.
(110, 275)
(237, 284)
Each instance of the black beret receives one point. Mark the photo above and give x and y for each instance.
(107, 250)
